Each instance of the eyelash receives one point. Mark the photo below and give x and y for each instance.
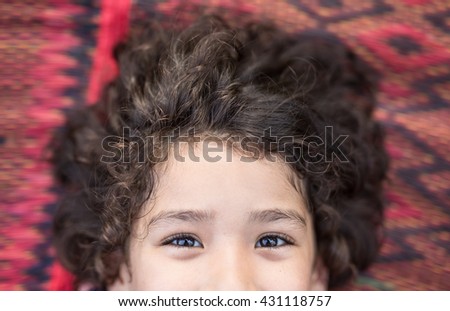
(180, 236)
(288, 241)
(186, 236)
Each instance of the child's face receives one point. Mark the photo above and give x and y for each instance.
(226, 225)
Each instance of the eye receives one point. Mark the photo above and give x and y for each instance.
(183, 240)
(273, 241)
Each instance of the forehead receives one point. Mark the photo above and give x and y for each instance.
(195, 177)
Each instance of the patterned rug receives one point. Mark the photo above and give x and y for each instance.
(55, 55)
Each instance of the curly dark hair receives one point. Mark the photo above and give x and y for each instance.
(238, 81)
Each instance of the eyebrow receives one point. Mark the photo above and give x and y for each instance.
(196, 216)
(273, 215)
(186, 215)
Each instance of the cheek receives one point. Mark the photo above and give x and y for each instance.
(293, 274)
(154, 270)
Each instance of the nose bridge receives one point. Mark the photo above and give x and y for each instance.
(231, 270)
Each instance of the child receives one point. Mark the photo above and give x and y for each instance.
(223, 159)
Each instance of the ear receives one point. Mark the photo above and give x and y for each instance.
(319, 276)
(123, 282)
